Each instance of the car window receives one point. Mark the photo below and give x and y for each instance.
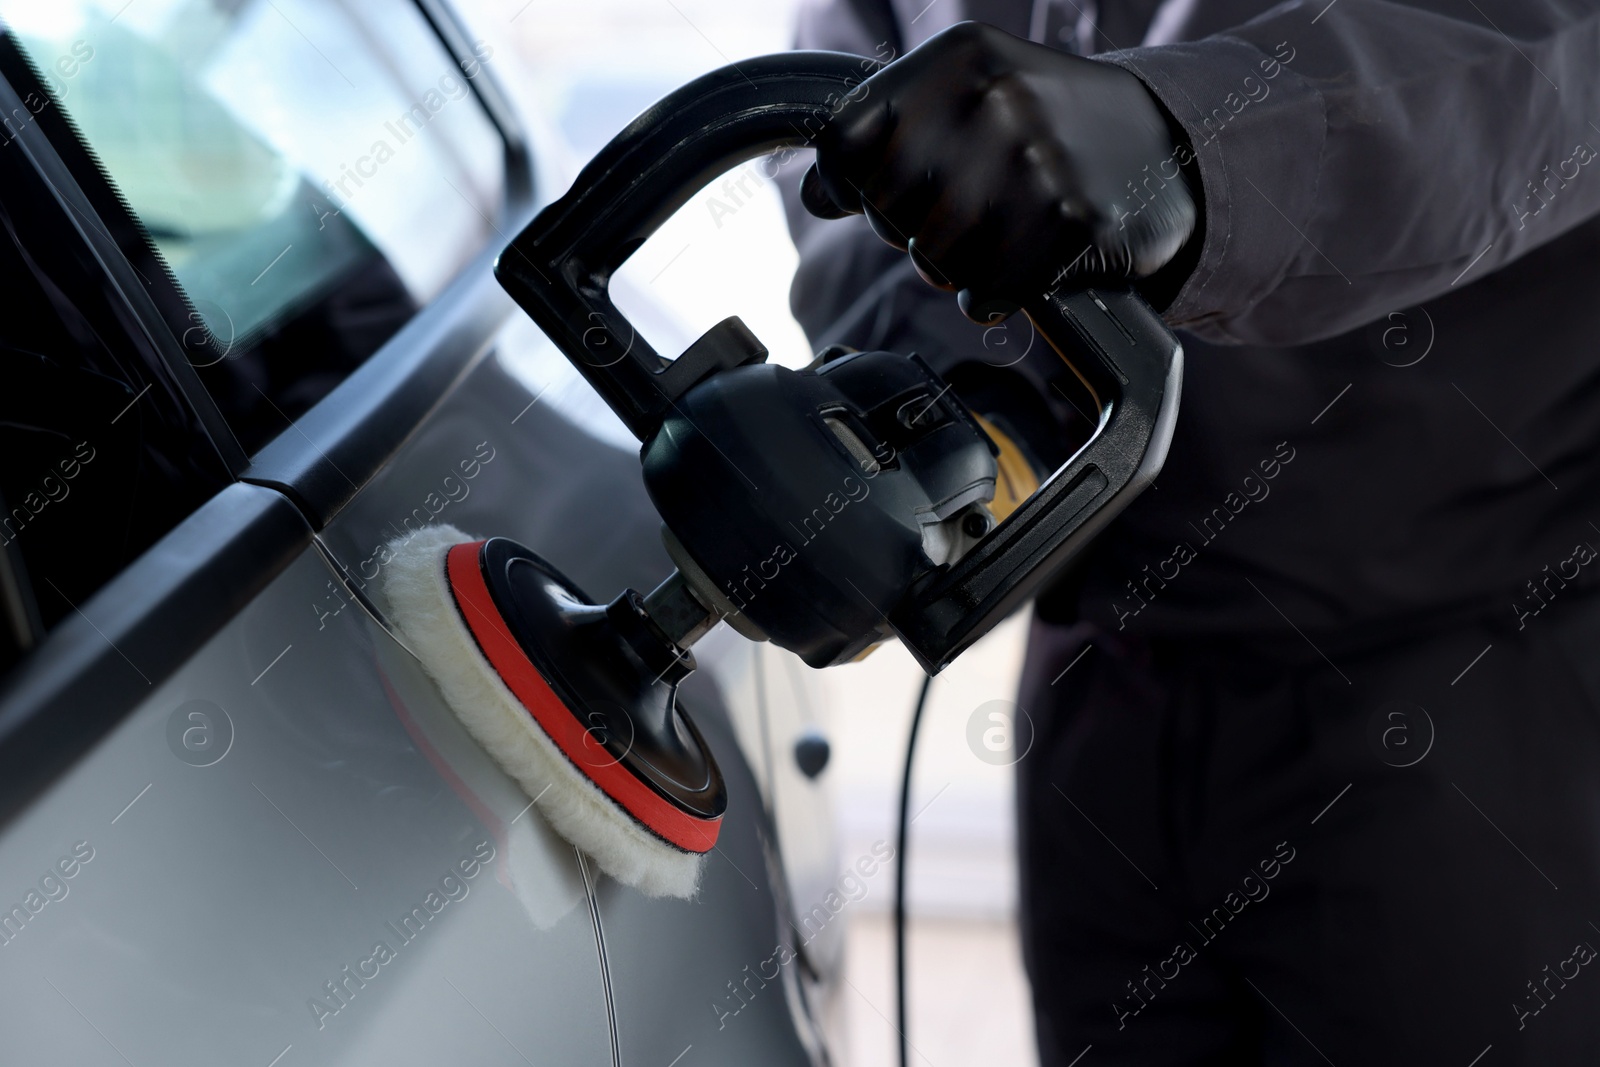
(309, 172)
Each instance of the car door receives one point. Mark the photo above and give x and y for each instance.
(240, 824)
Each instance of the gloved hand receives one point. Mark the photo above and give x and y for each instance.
(1006, 168)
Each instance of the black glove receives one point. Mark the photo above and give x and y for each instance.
(1006, 168)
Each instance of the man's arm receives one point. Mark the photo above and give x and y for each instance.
(1354, 158)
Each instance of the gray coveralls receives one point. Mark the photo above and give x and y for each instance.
(1325, 787)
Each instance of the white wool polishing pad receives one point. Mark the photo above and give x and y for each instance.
(422, 604)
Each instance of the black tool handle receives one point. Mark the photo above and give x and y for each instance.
(1133, 366)
(559, 269)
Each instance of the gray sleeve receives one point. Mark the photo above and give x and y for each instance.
(1357, 157)
(1366, 155)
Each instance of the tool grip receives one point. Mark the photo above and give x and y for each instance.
(1132, 365)
(559, 268)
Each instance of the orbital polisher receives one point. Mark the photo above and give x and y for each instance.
(825, 509)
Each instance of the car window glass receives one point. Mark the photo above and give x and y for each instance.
(309, 171)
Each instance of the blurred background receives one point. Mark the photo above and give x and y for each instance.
(581, 72)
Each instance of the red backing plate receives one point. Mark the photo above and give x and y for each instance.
(560, 724)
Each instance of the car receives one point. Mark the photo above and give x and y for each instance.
(252, 338)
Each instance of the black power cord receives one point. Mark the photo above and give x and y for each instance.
(902, 835)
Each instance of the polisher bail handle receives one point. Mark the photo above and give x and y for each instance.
(559, 270)
(1131, 364)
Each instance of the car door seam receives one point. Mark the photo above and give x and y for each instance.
(600, 948)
